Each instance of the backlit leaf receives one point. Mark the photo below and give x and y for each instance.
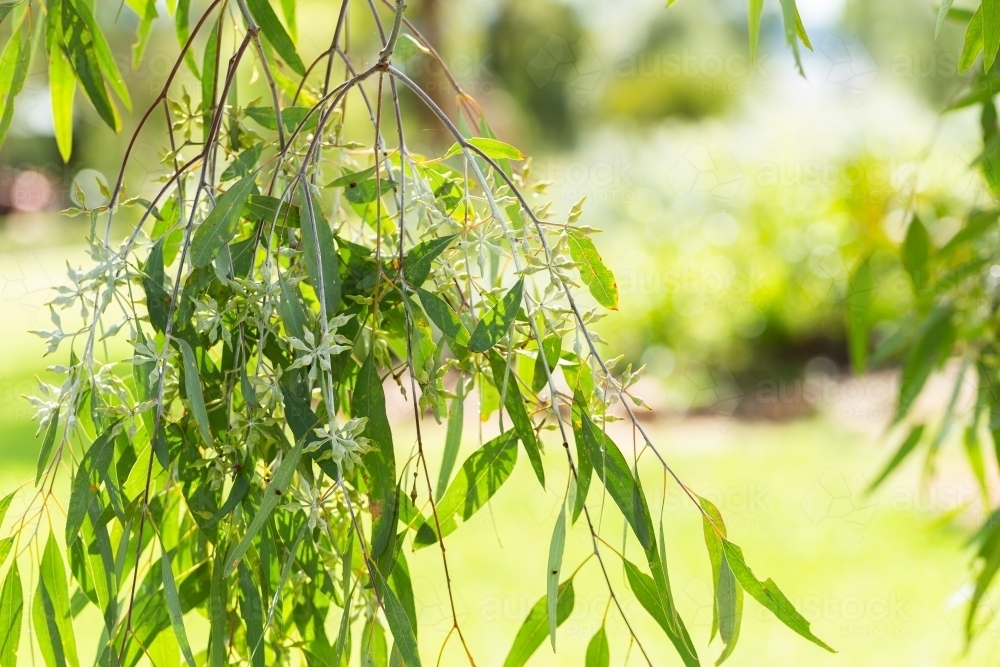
(535, 628)
(595, 275)
(498, 320)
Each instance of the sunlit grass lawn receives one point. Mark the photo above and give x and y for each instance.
(874, 576)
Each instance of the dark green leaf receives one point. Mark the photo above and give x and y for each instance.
(419, 260)
(157, 298)
(252, 611)
(275, 33)
(402, 631)
(595, 275)
(933, 345)
(616, 474)
(768, 594)
(506, 383)
(47, 446)
(860, 292)
(222, 223)
(272, 496)
(443, 317)
(727, 604)
(192, 386)
(916, 251)
(497, 320)
(272, 211)
(291, 118)
(548, 355)
(244, 164)
(535, 628)
(321, 257)
(79, 47)
(380, 463)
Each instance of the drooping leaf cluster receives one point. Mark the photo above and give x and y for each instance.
(242, 463)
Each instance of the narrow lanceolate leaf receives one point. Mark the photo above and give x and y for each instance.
(535, 627)
(727, 606)
(942, 15)
(48, 444)
(452, 440)
(491, 148)
(616, 474)
(94, 464)
(53, 620)
(244, 164)
(649, 596)
(79, 46)
(933, 345)
(252, 611)
(4, 506)
(443, 317)
(15, 61)
(556, 546)
(595, 275)
(860, 292)
(482, 474)
(275, 33)
(62, 90)
(102, 53)
(174, 609)
(321, 257)
(146, 10)
(419, 261)
(276, 488)
(7, 7)
(548, 356)
(973, 45)
(756, 9)
(221, 225)
(11, 615)
(768, 594)
(907, 446)
(916, 252)
(497, 320)
(598, 650)
(181, 19)
(380, 463)
(192, 386)
(402, 630)
(991, 31)
(507, 384)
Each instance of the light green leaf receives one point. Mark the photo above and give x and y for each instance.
(222, 223)
(192, 386)
(4, 506)
(252, 611)
(15, 60)
(756, 9)
(62, 90)
(80, 46)
(595, 275)
(663, 612)
(556, 546)
(598, 650)
(53, 621)
(146, 11)
(272, 496)
(991, 31)
(727, 604)
(491, 148)
(11, 614)
(402, 630)
(497, 320)
(479, 478)
(93, 465)
(181, 17)
(535, 627)
(908, 445)
(174, 608)
(102, 53)
(973, 44)
(452, 440)
(942, 15)
(275, 33)
(768, 594)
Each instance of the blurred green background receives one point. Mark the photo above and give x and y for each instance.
(735, 198)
